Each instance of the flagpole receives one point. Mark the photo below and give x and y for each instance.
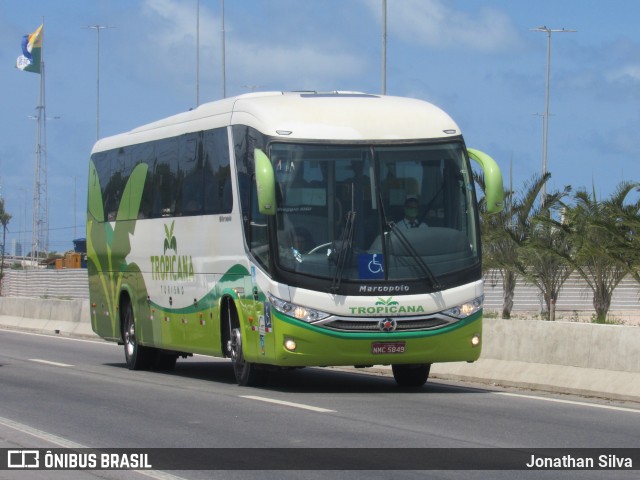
(35, 231)
(32, 60)
(44, 200)
(39, 235)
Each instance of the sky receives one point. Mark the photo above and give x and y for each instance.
(479, 60)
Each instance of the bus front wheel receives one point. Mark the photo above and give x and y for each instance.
(247, 374)
(411, 375)
(137, 356)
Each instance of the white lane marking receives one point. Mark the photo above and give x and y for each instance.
(59, 337)
(288, 404)
(570, 402)
(63, 442)
(34, 432)
(112, 344)
(47, 362)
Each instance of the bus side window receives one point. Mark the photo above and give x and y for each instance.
(192, 186)
(165, 178)
(103, 170)
(113, 189)
(216, 172)
(259, 243)
(124, 166)
(255, 225)
(144, 153)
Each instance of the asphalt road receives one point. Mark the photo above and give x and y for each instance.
(57, 392)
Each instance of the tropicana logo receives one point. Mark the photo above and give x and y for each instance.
(171, 267)
(386, 306)
(389, 301)
(170, 242)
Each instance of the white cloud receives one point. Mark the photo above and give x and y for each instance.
(292, 66)
(434, 23)
(623, 74)
(178, 22)
(263, 61)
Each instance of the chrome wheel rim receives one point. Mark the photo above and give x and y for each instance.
(130, 338)
(235, 345)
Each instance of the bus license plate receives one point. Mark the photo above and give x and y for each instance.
(388, 347)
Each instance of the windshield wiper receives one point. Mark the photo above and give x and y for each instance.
(343, 249)
(414, 255)
(393, 227)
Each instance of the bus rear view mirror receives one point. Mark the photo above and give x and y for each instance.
(265, 182)
(494, 189)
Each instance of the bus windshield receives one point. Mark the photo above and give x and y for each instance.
(375, 213)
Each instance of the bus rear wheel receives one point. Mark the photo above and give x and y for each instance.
(411, 375)
(136, 356)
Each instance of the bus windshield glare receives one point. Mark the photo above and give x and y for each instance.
(374, 213)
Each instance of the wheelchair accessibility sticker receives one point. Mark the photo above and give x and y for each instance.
(370, 266)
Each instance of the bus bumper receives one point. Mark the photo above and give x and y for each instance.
(292, 343)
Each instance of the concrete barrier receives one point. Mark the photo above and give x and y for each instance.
(578, 358)
(605, 347)
(585, 359)
(63, 317)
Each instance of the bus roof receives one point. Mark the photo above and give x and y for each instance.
(340, 116)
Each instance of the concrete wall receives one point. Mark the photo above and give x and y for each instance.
(607, 347)
(578, 358)
(65, 317)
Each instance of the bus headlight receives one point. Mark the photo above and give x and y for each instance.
(296, 311)
(466, 309)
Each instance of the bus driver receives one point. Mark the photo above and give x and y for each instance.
(411, 209)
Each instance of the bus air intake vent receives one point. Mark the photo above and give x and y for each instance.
(372, 324)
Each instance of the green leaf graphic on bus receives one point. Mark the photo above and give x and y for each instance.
(170, 242)
(388, 301)
(107, 245)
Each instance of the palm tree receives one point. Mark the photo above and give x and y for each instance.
(628, 233)
(506, 234)
(4, 221)
(498, 249)
(603, 242)
(547, 254)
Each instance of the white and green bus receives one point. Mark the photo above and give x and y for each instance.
(269, 228)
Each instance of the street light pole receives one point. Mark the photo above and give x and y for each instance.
(97, 28)
(223, 53)
(384, 47)
(197, 53)
(545, 139)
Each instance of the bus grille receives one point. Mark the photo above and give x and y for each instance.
(373, 324)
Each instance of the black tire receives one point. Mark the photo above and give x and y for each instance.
(247, 374)
(137, 356)
(411, 375)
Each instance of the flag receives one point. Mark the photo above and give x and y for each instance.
(29, 61)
